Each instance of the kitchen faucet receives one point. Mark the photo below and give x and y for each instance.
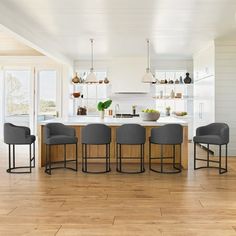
(117, 109)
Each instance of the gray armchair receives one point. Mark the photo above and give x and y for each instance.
(19, 135)
(212, 134)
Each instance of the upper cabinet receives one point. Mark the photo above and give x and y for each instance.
(204, 62)
(126, 75)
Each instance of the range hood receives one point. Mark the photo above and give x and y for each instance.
(126, 75)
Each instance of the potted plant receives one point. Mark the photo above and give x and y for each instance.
(102, 106)
(167, 111)
(150, 115)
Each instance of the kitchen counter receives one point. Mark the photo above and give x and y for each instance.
(84, 120)
(128, 150)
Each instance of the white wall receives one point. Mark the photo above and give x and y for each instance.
(173, 64)
(225, 87)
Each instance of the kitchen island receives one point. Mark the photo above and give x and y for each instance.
(96, 150)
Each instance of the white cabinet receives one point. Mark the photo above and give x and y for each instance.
(204, 62)
(204, 105)
(204, 86)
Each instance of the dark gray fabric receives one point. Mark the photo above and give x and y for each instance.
(215, 133)
(96, 134)
(167, 134)
(17, 134)
(58, 133)
(130, 134)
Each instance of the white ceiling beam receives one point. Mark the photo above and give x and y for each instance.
(13, 23)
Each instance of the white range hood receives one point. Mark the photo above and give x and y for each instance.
(126, 75)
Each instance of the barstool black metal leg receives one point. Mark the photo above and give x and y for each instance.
(109, 156)
(161, 158)
(9, 158)
(208, 155)
(49, 159)
(120, 157)
(173, 156)
(86, 161)
(34, 154)
(30, 157)
(226, 157)
(106, 158)
(194, 156)
(14, 156)
(220, 159)
(141, 158)
(150, 157)
(64, 155)
(46, 158)
(82, 157)
(180, 157)
(76, 157)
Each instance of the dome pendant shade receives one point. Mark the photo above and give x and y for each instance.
(91, 78)
(148, 77)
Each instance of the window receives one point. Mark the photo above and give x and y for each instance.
(17, 97)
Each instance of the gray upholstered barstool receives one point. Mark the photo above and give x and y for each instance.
(19, 135)
(130, 134)
(170, 134)
(59, 134)
(212, 134)
(96, 134)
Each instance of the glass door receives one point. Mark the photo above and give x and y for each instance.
(48, 98)
(17, 90)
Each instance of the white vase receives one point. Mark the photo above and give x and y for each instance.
(102, 114)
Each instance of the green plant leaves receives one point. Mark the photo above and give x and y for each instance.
(104, 105)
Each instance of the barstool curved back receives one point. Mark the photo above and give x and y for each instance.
(167, 134)
(19, 135)
(59, 134)
(95, 134)
(212, 134)
(170, 134)
(130, 134)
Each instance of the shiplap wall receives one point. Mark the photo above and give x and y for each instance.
(225, 87)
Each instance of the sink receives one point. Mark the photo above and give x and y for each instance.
(125, 115)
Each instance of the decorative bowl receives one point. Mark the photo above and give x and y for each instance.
(76, 94)
(152, 116)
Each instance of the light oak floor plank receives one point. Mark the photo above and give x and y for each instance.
(68, 203)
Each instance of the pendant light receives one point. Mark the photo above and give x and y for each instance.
(91, 78)
(148, 77)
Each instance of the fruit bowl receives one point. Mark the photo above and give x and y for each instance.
(180, 113)
(150, 115)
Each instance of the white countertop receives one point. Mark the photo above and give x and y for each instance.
(84, 120)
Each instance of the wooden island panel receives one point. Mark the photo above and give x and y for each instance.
(98, 150)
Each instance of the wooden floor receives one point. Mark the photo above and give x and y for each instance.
(67, 203)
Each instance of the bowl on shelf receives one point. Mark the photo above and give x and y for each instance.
(76, 94)
(150, 115)
(180, 113)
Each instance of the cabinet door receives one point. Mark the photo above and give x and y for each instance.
(204, 108)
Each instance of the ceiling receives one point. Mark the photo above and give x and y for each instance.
(9, 46)
(120, 27)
